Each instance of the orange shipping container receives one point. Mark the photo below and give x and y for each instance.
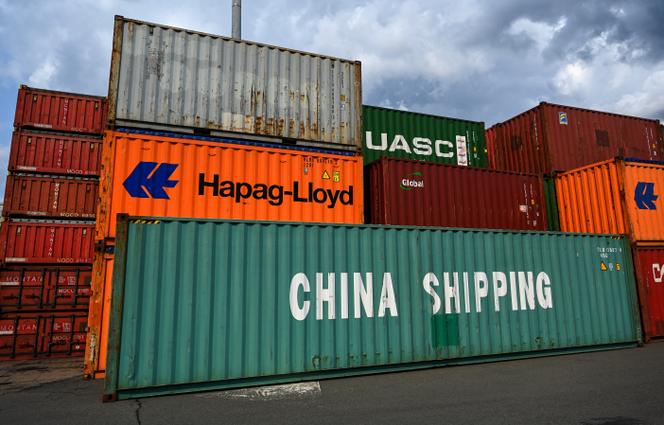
(617, 196)
(153, 175)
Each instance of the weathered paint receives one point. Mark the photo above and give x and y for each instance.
(551, 138)
(415, 193)
(31, 335)
(174, 78)
(59, 111)
(649, 265)
(44, 195)
(28, 241)
(618, 196)
(44, 288)
(59, 153)
(409, 135)
(213, 179)
(213, 304)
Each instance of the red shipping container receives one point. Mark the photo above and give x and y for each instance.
(46, 241)
(50, 196)
(649, 266)
(60, 111)
(44, 288)
(25, 336)
(552, 138)
(55, 153)
(403, 192)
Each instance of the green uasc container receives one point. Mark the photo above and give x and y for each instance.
(409, 135)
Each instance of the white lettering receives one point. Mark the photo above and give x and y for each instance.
(451, 292)
(499, 288)
(399, 143)
(387, 299)
(299, 313)
(325, 295)
(363, 294)
(526, 290)
(422, 146)
(481, 289)
(544, 290)
(429, 280)
(439, 151)
(383, 142)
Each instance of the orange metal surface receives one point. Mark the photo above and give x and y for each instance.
(224, 180)
(615, 196)
(184, 177)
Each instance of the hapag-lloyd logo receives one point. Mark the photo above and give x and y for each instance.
(413, 181)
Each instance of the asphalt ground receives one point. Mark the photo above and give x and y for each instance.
(617, 387)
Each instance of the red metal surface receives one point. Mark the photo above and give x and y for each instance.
(417, 193)
(24, 336)
(55, 153)
(552, 138)
(490, 146)
(53, 110)
(44, 288)
(50, 196)
(46, 241)
(649, 265)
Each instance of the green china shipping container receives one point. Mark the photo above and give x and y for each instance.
(203, 304)
(410, 135)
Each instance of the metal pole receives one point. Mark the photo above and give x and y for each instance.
(237, 20)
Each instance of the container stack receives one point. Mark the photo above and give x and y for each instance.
(608, 174)
(46, 238)
(239, 130)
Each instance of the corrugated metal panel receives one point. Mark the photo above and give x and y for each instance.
(180, 78)
(59, 111)
(26, 336)
(54, 153)
(46, 241)
(649, 264)
(551, 138)
(212, 304)
(424, 194)
(490, 135)
(50, 196)
(409, 135)
(613, 197)
(299, 186)
(44, 288)
(188, 190)
(553, 221)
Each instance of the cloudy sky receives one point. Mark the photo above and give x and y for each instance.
(484, 60)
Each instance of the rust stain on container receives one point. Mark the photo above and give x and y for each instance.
(552, 138)
(405, 192)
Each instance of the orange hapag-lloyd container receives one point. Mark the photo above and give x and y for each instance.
(614, 197)
(161, 176)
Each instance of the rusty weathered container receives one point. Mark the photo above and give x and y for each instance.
(38, 335)
(202, 304)
(207, 178)
(552, 214)
(551, 138)
(44, 288)
(55, 153)
(50, 196)
(649, 265)
(410, 135)
(613, 197)
(424, 194)
(170, 78)
(59, 111)
(27, 241)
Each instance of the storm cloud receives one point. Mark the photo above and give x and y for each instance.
(476, 59)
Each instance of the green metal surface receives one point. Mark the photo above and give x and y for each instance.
(199, 305)
(410, 135)
(551, 200)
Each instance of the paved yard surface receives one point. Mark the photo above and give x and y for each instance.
(617, 387)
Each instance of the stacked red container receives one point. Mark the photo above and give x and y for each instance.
(46, 238)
